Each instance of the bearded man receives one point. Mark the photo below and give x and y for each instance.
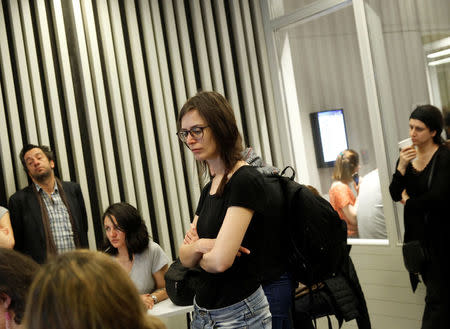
(48, 217)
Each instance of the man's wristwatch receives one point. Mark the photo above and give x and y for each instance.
(155, 299)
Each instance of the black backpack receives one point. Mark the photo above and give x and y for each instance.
(316, 236)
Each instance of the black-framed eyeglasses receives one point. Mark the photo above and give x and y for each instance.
(195, 132)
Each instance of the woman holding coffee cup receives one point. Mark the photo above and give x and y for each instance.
(422, 183)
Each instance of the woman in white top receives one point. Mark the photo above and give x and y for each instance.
(6, 232)
(128, 240)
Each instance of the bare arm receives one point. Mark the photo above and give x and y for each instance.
(228, 241)
(189, 252)
(160, 292)
(350, 213)
(6, 232)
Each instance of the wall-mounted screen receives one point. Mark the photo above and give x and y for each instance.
(329, 134)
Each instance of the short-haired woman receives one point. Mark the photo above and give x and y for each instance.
(127, 239)
(227, 222)
(341, 195)
(85, 289)
(427, 207)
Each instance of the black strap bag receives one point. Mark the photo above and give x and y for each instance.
(415, 255)
(180, 283)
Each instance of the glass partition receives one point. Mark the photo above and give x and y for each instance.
(410, 45)
(320, 70)
(282, 7)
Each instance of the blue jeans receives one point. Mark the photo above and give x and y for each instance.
(279, 293)
(252, 313)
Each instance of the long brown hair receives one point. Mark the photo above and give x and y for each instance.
(85, 289)
(219, 116)
(346, 163)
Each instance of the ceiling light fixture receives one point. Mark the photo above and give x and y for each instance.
(440, 61)
(439, 53)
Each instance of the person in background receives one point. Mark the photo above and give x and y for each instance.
(341, 195)
(49, 216)
(427, 208)
(16, 274)
(276, 280)
(447, 127)
(6, 232)
(127, 239)
(370, 214)
(446, 122)
(228, 221)
(85, 289)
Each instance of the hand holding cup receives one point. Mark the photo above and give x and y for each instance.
(407, 154)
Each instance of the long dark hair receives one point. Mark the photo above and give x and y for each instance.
(131, 223)
(219, 116)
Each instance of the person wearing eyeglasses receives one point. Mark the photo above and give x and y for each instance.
(225, 237)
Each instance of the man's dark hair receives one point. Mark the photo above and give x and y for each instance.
(17, 272)
(130, 222)
(45, 149)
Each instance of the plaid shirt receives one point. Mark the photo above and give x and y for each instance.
(59, 220)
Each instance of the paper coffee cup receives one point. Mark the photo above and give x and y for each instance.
(405, 143)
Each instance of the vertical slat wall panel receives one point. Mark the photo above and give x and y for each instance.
(90, 111)
(5, 149)
(255, 82)
(87, 43)
(180, 94)
(161, 120)
(71, 110)
(244, 75)
(116, 100)
(11, 104)
(101, 104)
(211, 44)
(200, 45)
(128, 109)
(186, 52)
(171, 116)
(266, 82)
(147, 123)
(227, 59)
(36, 88)
(22, 70)
(52, 90)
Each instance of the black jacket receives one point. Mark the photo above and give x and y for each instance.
(26, 220)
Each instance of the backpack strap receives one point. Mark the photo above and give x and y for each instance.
(284, 171)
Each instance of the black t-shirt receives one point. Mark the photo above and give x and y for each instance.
(244, 189)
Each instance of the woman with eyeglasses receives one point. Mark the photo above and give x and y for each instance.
(224, 239)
